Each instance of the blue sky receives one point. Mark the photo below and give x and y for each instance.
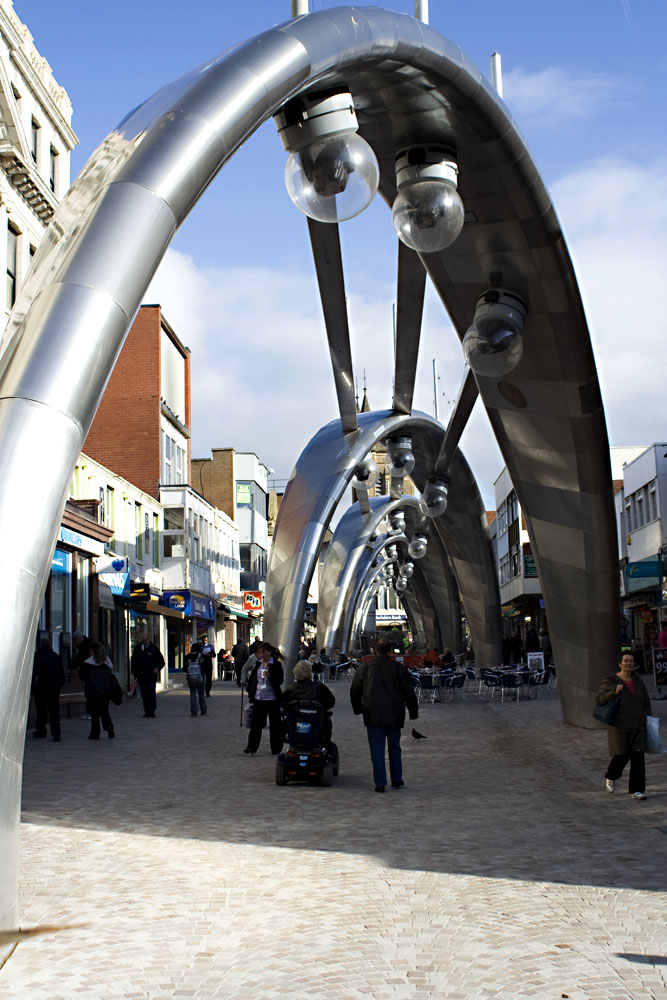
(586, 82)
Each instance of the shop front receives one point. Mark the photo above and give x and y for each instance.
(196, 617)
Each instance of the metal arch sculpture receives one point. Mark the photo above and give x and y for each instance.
(110, 232)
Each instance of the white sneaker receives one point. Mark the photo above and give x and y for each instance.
(638, 795)
(610, 785)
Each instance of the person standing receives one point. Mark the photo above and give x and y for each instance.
(80, 653)
(96, 676)
(48, 677)
(545, 646)
(196, 681)
(264, 694)
(146, 664)
(381, 691)
(239, 655)
(207, 654)
(626, 736)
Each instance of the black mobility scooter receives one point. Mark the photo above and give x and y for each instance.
(311, 755)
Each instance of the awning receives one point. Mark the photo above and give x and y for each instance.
(159, 609)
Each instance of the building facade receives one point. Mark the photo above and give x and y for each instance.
(36, 140)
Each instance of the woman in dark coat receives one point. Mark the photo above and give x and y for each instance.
(627, 734)
(264, 693)
(96, 676)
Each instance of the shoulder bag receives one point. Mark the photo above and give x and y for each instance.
(607, 713)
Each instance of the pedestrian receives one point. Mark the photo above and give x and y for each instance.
(196, 680)
(380, 691)
(48, 677)
(532, 640)
(146, 664)
(80, 653)
(627, 734)
(96, 676)
(207, 654)
(264, 694)
(545, 645)
(239, 655)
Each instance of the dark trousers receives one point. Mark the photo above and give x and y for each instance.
(207, 671)
(47, 706)
(99, 710)
(377, 737)
(148, 695)
(260, 711)
(637, 778)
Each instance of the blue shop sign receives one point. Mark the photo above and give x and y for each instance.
(647, 569)
(60, 562)
(189, 603)
(118, 583)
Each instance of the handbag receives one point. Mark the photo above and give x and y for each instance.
(115, 690)
(607, 713)
(654, 741)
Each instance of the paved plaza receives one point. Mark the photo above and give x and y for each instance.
(502, 869)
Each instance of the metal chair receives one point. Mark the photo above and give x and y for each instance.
(454, 684)
(491, 680)
(427, 688)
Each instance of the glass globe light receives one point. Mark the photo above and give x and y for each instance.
(428, 215)
(334, 178)
(433, 501)
(493, 345)
(391, 551)
(417, 547)
(407, 569)
(399, 461)
(396, 524)
(401, 583)
(365, 475)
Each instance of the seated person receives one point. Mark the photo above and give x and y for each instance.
(304, 688)
(448, 658)
(432, 658)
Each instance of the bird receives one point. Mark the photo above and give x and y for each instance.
(418, 736)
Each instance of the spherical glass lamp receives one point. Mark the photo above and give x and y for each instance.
(433, 501)
(493, 345)
(365, 475)
(427, 213)
(407, 569)
(401, 583)
(417, 547)
(334, 178)
(400, 460)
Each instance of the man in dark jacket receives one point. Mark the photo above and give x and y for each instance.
(239, 655)
(146, 664)
(207, 654)
(381, 691)
(48, 676)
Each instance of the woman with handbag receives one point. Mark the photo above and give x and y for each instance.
(627, 732)
(96, 676)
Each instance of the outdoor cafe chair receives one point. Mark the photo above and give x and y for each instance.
(491, 680)
(453, 684)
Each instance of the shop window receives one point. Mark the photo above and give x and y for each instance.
(61, 576)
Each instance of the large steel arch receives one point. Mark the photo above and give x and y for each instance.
(108, 236)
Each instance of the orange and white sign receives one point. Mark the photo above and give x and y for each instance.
(253, 600)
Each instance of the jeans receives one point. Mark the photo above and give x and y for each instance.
(148, 695)
(377, 736)
(197, 692)
(47, 706)
(637, 778)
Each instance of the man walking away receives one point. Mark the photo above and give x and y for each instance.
(381, 690)
(146, 664)
(48, 677)
(239, 655)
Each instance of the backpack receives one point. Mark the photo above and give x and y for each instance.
(194, 673)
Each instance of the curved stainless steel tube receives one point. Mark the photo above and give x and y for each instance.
(109, 234)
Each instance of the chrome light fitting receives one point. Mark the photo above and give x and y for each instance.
(365, 475)
(493, 344)
(407, 569)
(433, 501)
(400, 460)
(418, 545)
(401, 583)
(396, 522)
(332, 174)
(427, 213)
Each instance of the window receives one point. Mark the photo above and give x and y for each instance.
(174, 533)
(138, 532)
(173, 462)
(652, 502)
(34, 138)
(53, 168)
(81, 618)
(110, 510)
(628, 515)
(12, 248)
(156, 540)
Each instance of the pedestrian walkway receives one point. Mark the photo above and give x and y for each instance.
(502, 870)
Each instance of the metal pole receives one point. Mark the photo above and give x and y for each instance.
(421, 10)
(435, 388)
(299, 7)
(497, 73)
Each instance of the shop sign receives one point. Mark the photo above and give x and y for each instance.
(641, 601)
(82, 542)
(243, 494)
(60, 562)
(253, 600)
(529, 567)
(202, 607)
(648, 568)
(118, 583)
(390, 616)
(189, 604)
(660, 666)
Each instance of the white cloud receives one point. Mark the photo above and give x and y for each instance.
(555, 95)
(614, 215)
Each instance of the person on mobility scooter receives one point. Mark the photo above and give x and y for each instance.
(311, 754)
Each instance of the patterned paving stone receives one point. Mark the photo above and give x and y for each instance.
(502, 870)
